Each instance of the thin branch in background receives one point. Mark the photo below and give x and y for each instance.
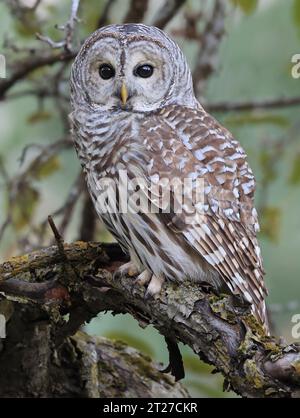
(104, 18)
(278, 102)
(273, 162)
(10, 44)
(39, 92)
(210, 42)
(6, 179)
(58, 238)
(136, 11)
(14, 185)
(30, 64)
(166, 13)
(39, 59)
(69, 28)
(50, 42)
(68, 208)
(88, 219)
(66, 211)
(190, 30)
(63, 105)
(3, 171)
(69, 271)
(36, 5)
(20, 9)
(25, 150)
(4, 226)
(46, 153)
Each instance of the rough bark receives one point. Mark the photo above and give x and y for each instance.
(79, 279)
(32, 365)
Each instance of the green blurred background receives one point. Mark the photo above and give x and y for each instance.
(254, 63)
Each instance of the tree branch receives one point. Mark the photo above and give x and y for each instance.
(104, 18)
(217, 328)
(68, 28)
(88, 219)
(210, 40)
(166, 13)
(136, 11)
(25, 67)
(278, 102)
(81, 367)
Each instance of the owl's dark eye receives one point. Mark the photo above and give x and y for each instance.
(106, 71)
(144, 71)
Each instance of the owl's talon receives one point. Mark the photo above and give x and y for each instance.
(154, 287)
(133, 271)
(127, 269)
(143, 278)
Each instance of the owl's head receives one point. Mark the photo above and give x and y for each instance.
(131, 67)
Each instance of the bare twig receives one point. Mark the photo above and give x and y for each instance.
(57, 236)
(16, 185)
(40, 58)
(136, 11)
(275, 152)
(277, 102)
(30, 64)
(167, 12)
(88, 219)
(4, 226)
(6, 179)
(190, 29)
(103, 20)
(68, 28)
(209, 46)
(35, 5)
(38, 92)
(68, 207)
(70, 25)
(50, 42)
(62, 101)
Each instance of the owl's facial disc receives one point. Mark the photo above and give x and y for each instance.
(135, 75)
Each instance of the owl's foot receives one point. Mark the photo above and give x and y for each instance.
(127, 269)
(155, 282)
(143, 278)
(154, 287)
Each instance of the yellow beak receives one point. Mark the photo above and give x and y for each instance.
(124, 94)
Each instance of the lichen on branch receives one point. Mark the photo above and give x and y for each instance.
(221, 331)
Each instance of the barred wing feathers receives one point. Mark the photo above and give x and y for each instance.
(190, 143)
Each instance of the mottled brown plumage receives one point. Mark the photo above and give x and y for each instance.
(155, 130)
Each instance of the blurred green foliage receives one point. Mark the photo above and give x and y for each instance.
(247, 6)
(254, 63)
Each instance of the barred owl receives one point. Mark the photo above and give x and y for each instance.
(134, 111)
